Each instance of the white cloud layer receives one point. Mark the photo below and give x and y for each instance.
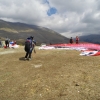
(73, 17)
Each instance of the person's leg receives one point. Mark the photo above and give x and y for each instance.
(30, 55)
(8, 44)
(27, 53)
(76, 42)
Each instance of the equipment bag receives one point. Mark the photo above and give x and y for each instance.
(27, 45)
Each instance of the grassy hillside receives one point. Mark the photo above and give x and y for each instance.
(17, 31)
(50, 75)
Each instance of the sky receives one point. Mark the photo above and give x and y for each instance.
(70, 18)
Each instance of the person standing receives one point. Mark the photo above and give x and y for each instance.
(77, 39)
(71, 40)
(29, 46)
(7, 40)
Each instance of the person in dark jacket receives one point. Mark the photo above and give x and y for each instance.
(71, 40)
(7, 40)
(29, 48)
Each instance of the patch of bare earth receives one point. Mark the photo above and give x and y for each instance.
(50, 75)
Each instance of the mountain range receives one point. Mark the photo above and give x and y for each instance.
(20, 31)
(92, 38)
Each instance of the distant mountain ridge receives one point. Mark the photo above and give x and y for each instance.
(20, 31)
(93, 38)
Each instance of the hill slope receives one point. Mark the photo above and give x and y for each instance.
(16, 31)
(93, 38)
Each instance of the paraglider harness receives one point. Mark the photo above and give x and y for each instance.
(28, 45)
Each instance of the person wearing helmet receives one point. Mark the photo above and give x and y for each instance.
(29, 46)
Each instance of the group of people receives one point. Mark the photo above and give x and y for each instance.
(72, 41)
(8, 41)
(29, 46)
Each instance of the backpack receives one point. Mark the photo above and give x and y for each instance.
(27, 45)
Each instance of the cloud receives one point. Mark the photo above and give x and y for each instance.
(67, 17)
(24, 10)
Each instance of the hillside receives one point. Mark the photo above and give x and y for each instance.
(20, 31)
(93, 38)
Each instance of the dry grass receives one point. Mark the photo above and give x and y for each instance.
(50, 75)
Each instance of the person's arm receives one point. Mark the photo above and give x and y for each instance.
(34, 48)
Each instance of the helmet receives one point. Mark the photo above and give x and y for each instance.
(31, 37)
